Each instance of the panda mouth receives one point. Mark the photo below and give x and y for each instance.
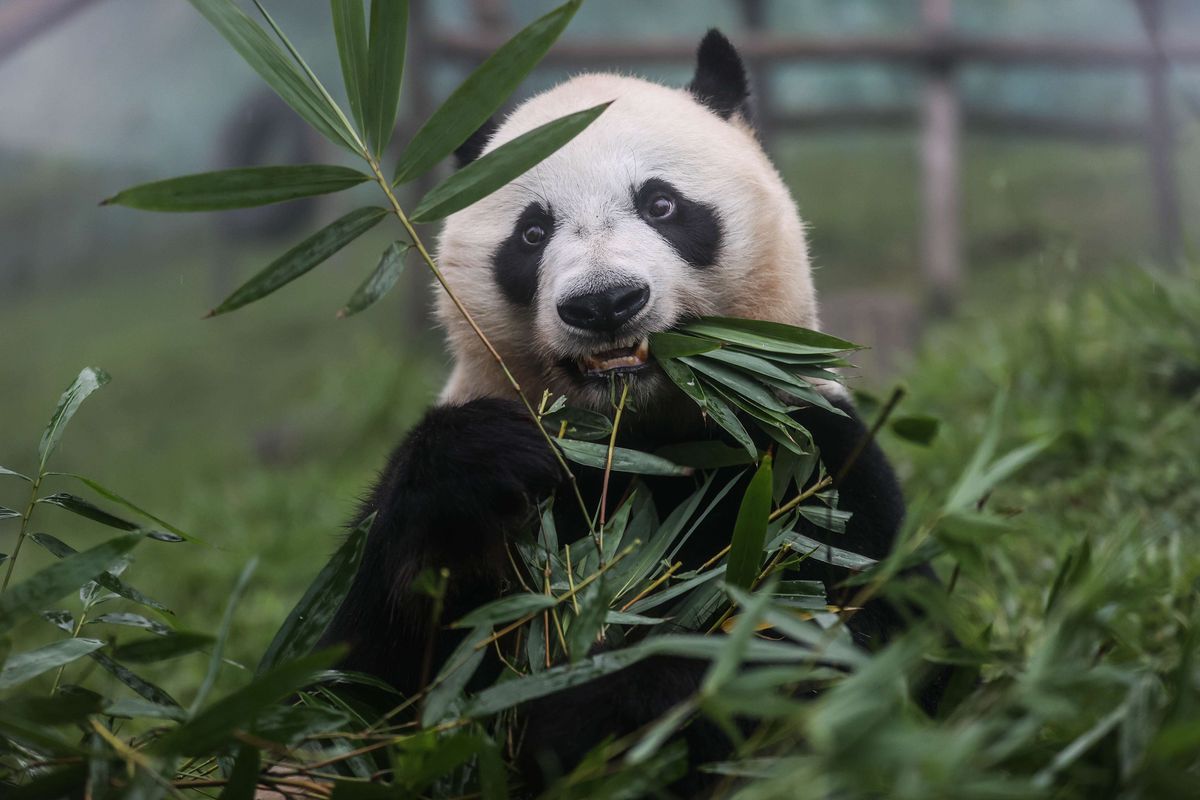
(616, 361)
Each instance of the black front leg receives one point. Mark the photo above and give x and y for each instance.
(463, 478)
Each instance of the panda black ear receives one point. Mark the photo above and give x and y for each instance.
(720, 81)
(472, 148)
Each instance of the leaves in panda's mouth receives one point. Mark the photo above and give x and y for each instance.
(759, 368)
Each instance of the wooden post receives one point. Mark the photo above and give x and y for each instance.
(1160, 140)
(762, 74)
(941, 124)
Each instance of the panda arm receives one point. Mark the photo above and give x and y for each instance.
(459, 482)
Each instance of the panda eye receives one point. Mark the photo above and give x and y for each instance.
(533, 235)
(661, 206)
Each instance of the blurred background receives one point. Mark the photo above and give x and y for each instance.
(960, 162)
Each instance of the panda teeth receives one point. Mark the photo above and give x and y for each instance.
(625, 358)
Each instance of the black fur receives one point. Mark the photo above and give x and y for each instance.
(694, 229)
(472, 148)
(516, 262)
(720, 81)
(467, 475)
(459, 481)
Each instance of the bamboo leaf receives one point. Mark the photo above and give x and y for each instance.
(303, 257)
(380, 281)
(350, 32)
(482, 93)
(8, 513)
(495, 169)
(126, 619)
(59, 578)
(89, 380)
(161, 648)
(768, 336)
(385, 69)
(827, 553)
(716, 408)
(106, 579)
(149, 691)
(309, 618)
(669, 344)
(750, 530)
(237, 188)
(109, 494)
(218, 651)
(135, 708)
(269, 61)
(216, 724)
(506, 609)
(243, 779)
(594, 454)
(916, 428)
(77, 505)
(21, 667)
(455, 674)
(581, 423)
(15, 474)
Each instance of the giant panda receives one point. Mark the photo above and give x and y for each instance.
(666, 208)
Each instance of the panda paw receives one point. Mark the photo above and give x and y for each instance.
(478, 467)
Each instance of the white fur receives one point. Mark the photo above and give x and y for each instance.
(649, 131)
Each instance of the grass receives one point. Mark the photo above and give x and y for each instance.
(256, 431)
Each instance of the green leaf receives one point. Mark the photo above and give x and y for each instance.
(77, 505)
(916, 428)
(303, 257)
(380, 281)
(506, 609)
(510, 693)
(243, 779)
(265, 57)
(109, 494)
(482, 93)
(831, 519)
(237, 188)
(154, 694)
(89, 380)
(768, 336)
(106, 579)
(750, 529)
(161, 648)
(136, 708)
(59, 578)
(309, 618)
(289, 725)
(716, 408)
(668, 344)
(126, 619)
(827, 553)
(725, 666)
(218, 651)
(495, 169)
(214, 725)
(350, 32)
(15, 474)
(8, 513)
(581, 423)
(705, 455)
(389, 35)
(587, 624)
(594, 454)
(57, 709)
(21, 667)
(455, 674)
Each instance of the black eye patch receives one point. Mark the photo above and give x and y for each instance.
(518, 258)
(691, 227)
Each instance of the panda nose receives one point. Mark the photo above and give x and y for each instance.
(604, 311)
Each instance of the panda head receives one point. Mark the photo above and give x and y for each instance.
(664, 209)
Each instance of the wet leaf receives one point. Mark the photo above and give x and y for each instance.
(89, 380)
(238, 188)
(482, 94)
(495, 169)
(303, 257)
